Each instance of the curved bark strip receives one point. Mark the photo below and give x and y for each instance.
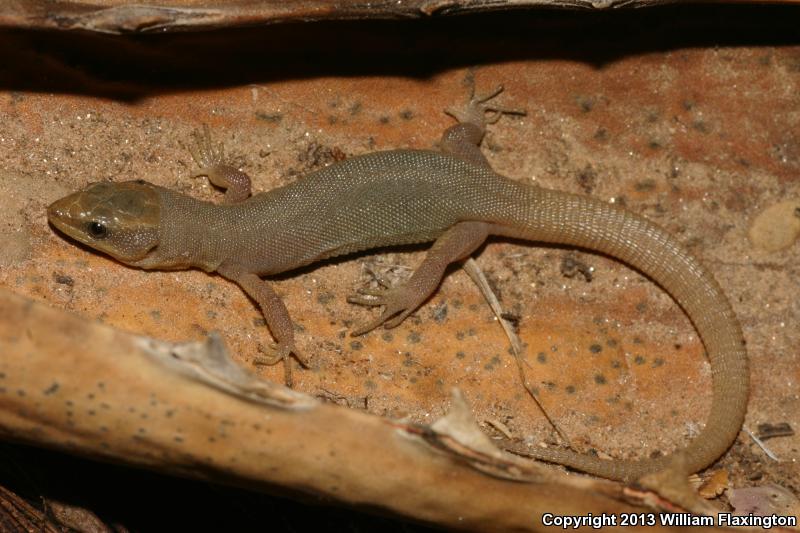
(182, 16)
(88, 389)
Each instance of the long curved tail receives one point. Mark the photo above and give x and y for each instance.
(557, 217)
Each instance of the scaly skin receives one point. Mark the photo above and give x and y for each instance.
(396, 197)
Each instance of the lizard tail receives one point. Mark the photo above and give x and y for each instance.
(557, 217)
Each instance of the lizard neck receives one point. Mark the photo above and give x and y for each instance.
(192, 233)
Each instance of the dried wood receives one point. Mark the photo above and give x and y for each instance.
(187, 409)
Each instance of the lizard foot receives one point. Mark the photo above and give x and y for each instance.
(205, 153)
(397, 302)
(280, 352)
(478, 111)
(277, 352)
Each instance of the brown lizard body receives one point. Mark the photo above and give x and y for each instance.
(451, 197)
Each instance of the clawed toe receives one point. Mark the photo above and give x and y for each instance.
(366, 327)
(389, 318)
(275, 353)
(204, 152)
(395, 308)
(368, 297)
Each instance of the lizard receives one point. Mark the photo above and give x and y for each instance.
(450, 196)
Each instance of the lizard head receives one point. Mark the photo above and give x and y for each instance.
(119, 219)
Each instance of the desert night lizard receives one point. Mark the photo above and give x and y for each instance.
(451, 197)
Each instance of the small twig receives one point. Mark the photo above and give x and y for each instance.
(473, 270)
(761, 445)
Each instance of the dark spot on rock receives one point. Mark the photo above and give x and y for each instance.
(587, 179)
(63, 279)
(21, 393)
(639, 360)
(440, 313)
(586, 103)
(460, 355)
(570, 389)
(571, 266)
(356, 345)
(600, 379)
(493, 362)
(541, 357)
(595, 348)
(325, 297)
(272, 118)
(406, 114)
(645, 185)
(387, 336)
(52, 389)
(658, 362)
(601, 134)
(414, 337)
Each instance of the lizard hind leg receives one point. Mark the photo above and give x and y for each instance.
(457, 243)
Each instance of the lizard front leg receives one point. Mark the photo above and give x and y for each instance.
(211, 160)
(274, 311)
(463, 139)
(457, 243)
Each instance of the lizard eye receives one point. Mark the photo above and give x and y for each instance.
(98, 230)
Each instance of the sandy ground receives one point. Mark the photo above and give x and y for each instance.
(699, 139)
